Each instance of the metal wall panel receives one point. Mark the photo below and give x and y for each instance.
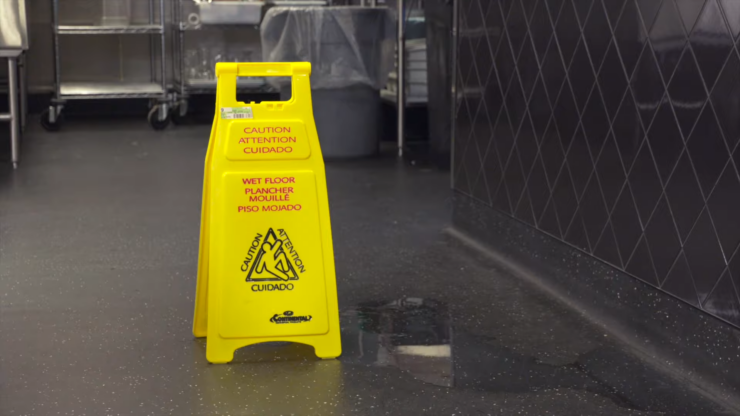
(613, 126)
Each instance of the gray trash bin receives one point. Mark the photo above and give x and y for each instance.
(351, 54)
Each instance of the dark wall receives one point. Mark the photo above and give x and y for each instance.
(613, 126)
(438, 16)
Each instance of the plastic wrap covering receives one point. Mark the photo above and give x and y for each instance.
(347, 46)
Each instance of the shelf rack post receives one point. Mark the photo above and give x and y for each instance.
(401, 87)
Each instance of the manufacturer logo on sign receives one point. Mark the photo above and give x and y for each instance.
(288, 318)
(272, 258)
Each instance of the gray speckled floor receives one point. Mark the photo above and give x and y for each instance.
(98, 252)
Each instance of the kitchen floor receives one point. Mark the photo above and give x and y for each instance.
(98, 254)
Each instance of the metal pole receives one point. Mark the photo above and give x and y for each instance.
(181, 53)
(23, 81)
(163, 46)
(152, 45)
(57, 69)
(373, 3)
(163, 59)
(401, 85)
(13, 100)
(453, 83)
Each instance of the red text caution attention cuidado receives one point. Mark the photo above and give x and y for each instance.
(267, 140)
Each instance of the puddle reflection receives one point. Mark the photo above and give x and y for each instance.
(415, 336)
(412, 334)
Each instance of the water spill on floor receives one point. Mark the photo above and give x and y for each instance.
(411, 334)
(415, 335)
(387, 343)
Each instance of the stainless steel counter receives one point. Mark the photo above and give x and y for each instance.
(13, 26)
(13, 41)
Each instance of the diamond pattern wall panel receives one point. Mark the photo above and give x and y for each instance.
(613, 126)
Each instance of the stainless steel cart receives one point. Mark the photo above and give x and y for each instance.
(155, 90)
(195, 15)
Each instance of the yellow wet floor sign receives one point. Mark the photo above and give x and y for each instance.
(266, 262)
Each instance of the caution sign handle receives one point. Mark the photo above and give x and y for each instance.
(299, 72)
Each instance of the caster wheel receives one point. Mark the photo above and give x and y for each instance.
(155, 122)
(177, 119)
(48, 125)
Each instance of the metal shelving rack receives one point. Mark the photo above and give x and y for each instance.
(154, 90)
(185, 87)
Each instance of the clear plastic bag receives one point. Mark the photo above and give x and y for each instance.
(346, 45)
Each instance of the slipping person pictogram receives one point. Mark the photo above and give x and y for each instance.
(271, 263)
(274, 260)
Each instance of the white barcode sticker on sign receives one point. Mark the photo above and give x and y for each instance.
(231, 113)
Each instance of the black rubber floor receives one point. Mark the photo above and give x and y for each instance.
(98, 254)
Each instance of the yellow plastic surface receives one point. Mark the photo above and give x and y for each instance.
(266, 262)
